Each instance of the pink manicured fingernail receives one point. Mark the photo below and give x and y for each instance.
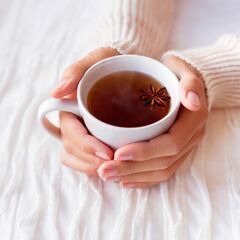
(100, 174)
(193, 97)
(110, 173)
(104, 178)
(124, 158)
(102, 155)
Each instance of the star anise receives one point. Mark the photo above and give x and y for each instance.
(154, 97)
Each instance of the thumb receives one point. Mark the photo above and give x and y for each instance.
(190, 92)
(70, 80)
(191, 85)
(73, 74)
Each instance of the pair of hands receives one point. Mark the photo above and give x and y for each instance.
(140, 164)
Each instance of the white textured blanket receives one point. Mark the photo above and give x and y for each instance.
(41, 199)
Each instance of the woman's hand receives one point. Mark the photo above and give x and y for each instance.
(82, 151)
(145, 164)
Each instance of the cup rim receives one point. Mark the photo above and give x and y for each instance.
(110, 59)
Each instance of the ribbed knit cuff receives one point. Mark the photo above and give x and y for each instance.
(136, 26)
(219, 65)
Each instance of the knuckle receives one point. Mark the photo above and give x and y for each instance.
(145, 150)
(91, 171)
(129, 169)
(139, 152)
(126, 169)
(84, 147)
(175, 146)
(94, 161)
(68, 147)
(91, 160)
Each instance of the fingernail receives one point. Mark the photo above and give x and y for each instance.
(102, 155)
(124, 157)
(193, 97)
(104, 178)
(100, 174)
(110, 173)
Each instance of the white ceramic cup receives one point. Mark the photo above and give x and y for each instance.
(115, 136)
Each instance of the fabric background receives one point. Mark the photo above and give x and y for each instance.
(41, 199)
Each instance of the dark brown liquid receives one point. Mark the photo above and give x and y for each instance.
(115, 99)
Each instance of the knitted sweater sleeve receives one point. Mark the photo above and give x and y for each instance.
(219, 65)
(136, 26)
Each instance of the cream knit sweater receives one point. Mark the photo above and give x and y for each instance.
(142, 27)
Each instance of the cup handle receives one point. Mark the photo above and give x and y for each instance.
(51, 105)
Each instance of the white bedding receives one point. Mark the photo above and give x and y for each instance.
(41, 199)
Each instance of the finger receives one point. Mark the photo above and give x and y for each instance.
(138, 184)
(120, 168)
(74, 163)
(90, 159)
(70, 79)
(74, 72)
(191, 92)
(191, 84)
(168, 144)
(72, 96)
(152, 176)
(187, 124)
(76, 134)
